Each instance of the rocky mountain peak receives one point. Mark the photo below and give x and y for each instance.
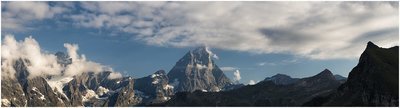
(154, 87)
(373, 82)
(160, 72)
(197, 71)
(325, 74)
(371, 45)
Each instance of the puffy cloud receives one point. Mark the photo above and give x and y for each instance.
(314, 30)
(80, 64)
(236, 75)
(115, 75)
(40, 63)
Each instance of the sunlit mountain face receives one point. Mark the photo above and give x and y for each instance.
(136, 53)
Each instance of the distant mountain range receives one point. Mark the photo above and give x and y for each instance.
(196, 80)
(275, 92)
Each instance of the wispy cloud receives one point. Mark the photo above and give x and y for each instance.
(16, 16)
(282, 62)
(314, 30)
(227, 69)
(266, 63)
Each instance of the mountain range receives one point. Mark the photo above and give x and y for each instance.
(196, 80)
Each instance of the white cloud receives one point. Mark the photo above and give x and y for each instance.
(236, 75)
(114, 75)
(266, 63)
(40, 63)
(225, 69)
(28, 49)
(314, 30)
(215, 56)
(17, 15)
(283, 62)
(252, 82)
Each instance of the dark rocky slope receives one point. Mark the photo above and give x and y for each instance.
(155, 87)
(373, 82)
(265, 93)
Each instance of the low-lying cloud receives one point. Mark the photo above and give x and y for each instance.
(40, 63)
(314, 30)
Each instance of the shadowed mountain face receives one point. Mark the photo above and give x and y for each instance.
(265, 93)
(373, 82)
(197, 71)
(339, 77)
(281, 79)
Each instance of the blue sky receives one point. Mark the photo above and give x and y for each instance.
(258, 39)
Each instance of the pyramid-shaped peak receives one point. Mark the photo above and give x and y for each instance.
(371, 45)
(325, 73)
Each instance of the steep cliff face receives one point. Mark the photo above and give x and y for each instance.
(373, 82)
(12, 93)
(197, 71)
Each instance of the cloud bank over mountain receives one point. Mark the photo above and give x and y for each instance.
(42, 63)
(314, 30)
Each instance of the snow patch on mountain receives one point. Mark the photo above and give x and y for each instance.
(101, 91)
(167, 87)
(5, 102)
(58, 83)
(155, 75)
(199, 66)
(155, 81)
(37, 91)
(89, 95)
